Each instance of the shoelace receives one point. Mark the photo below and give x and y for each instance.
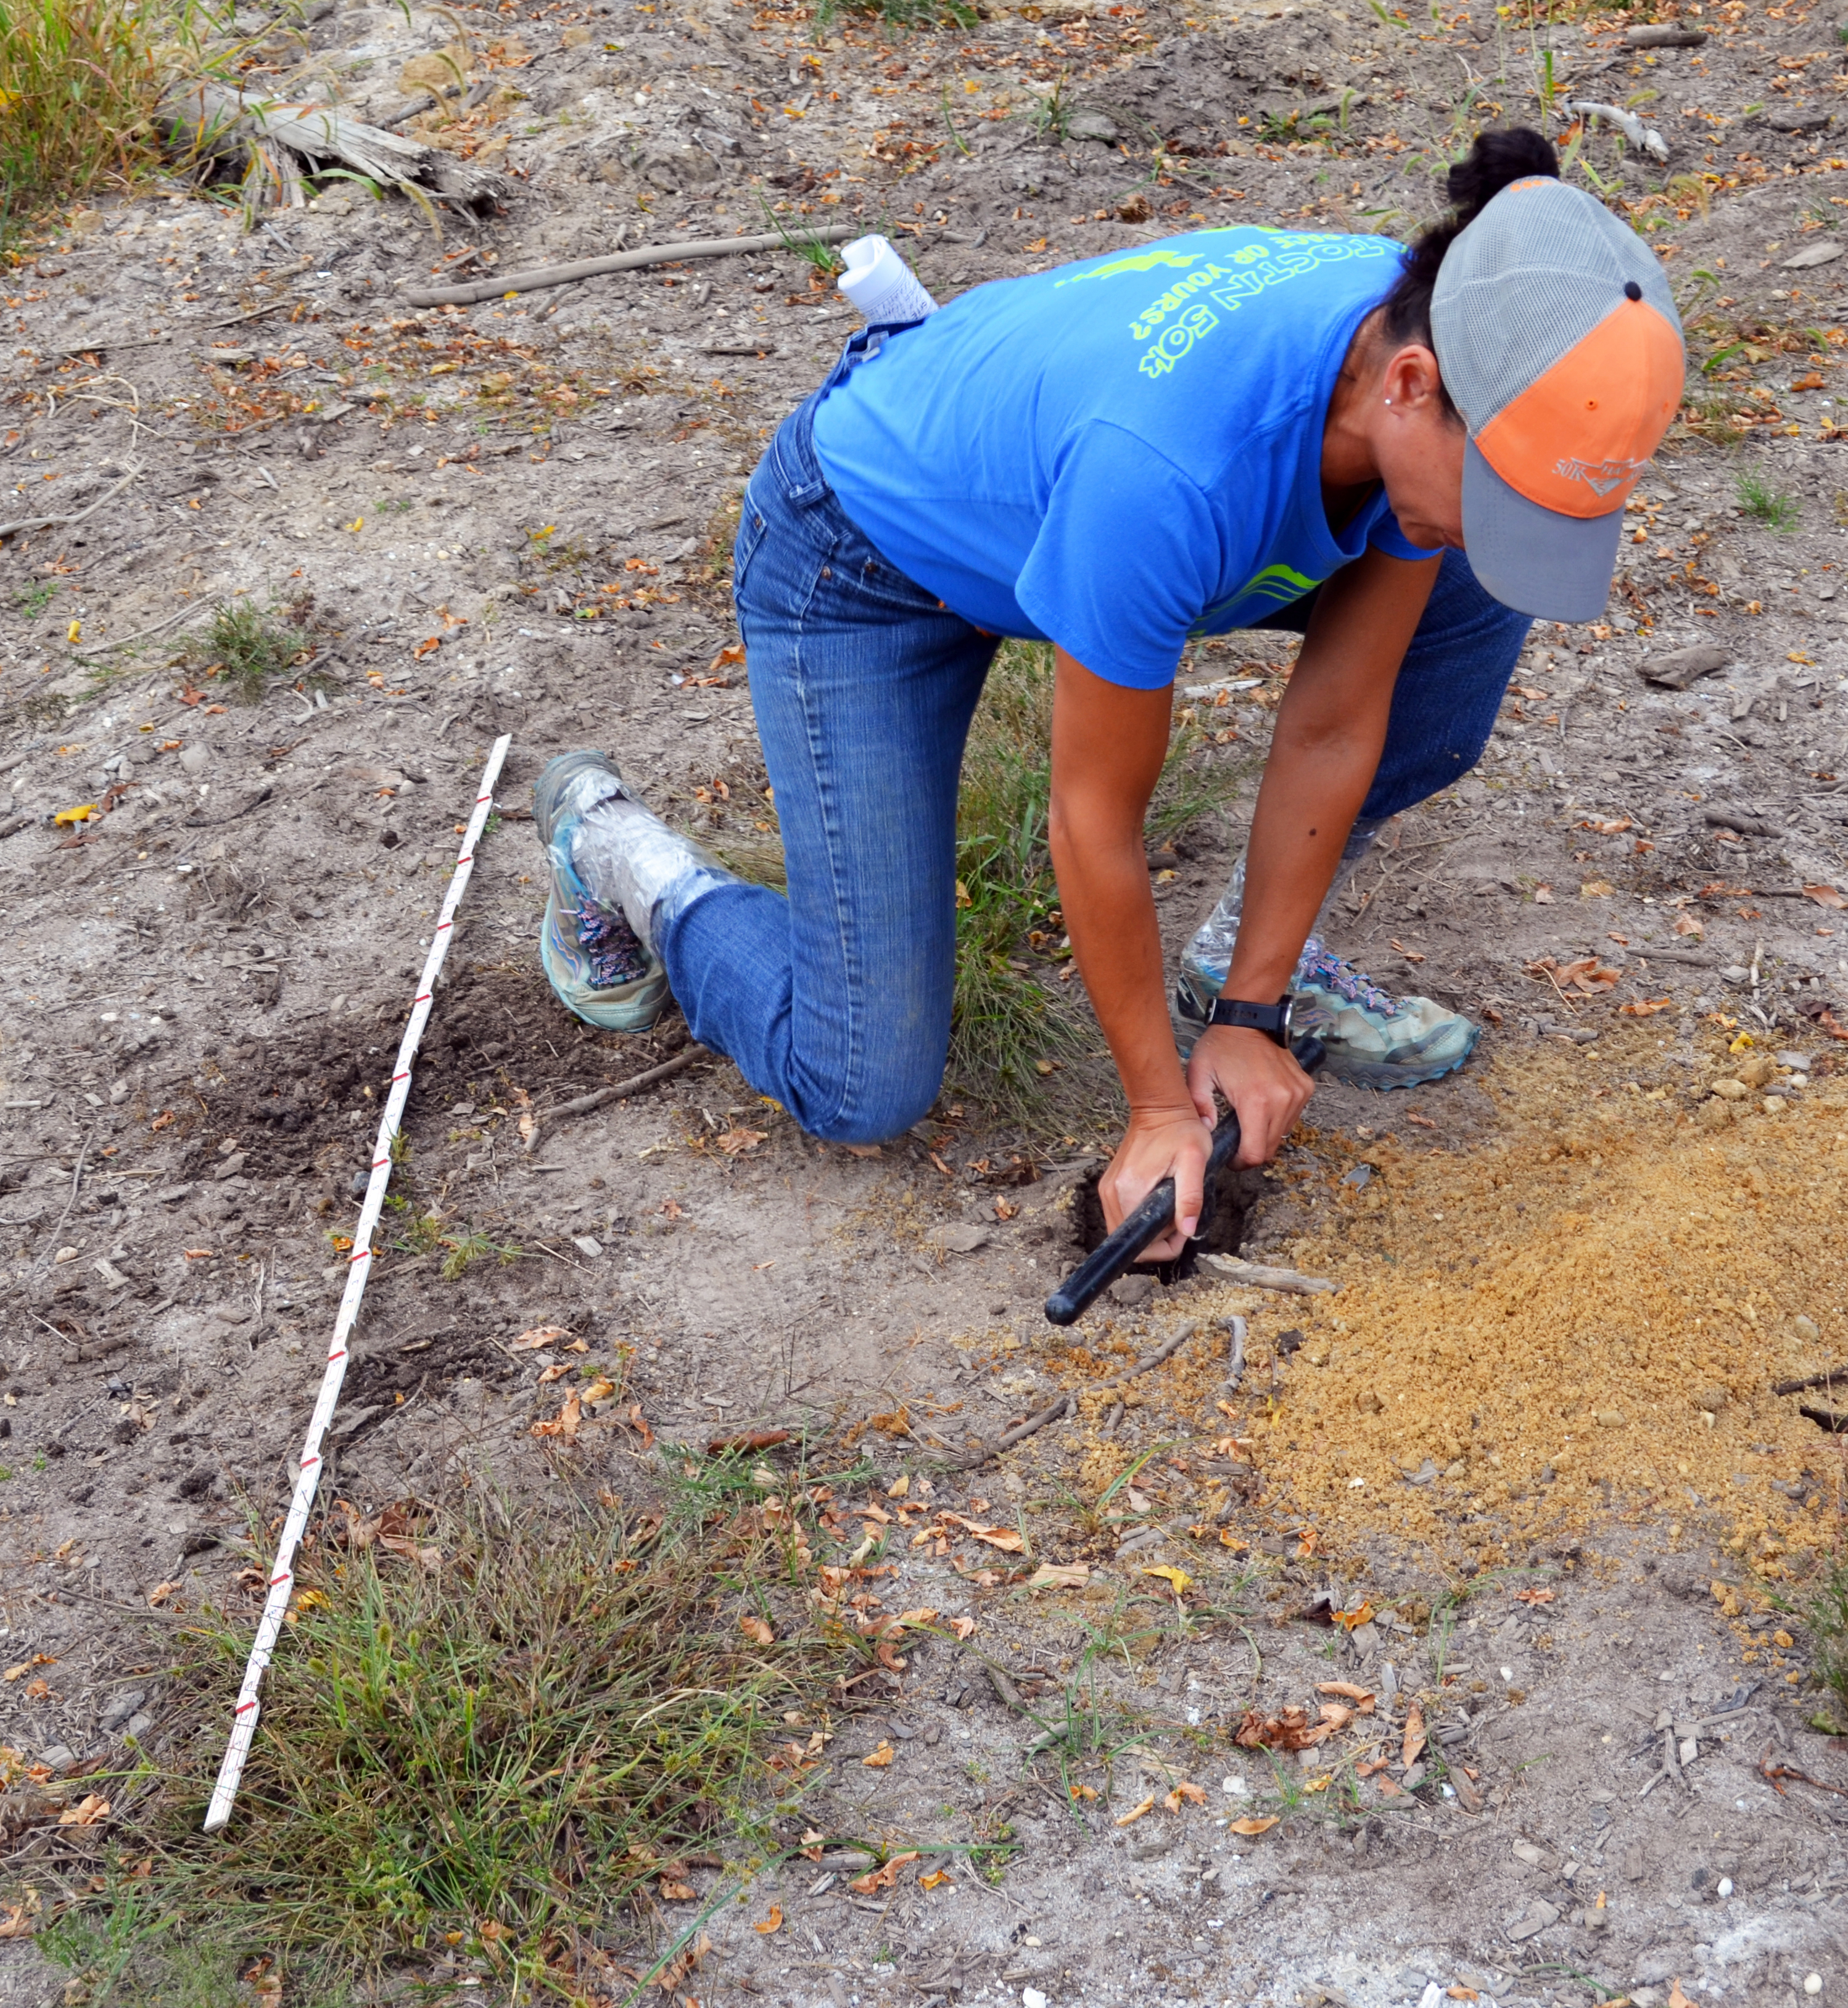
(1332, 972)
(615, 956)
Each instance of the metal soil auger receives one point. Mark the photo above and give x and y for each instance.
(1112, 1257)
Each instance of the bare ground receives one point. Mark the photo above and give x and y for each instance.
(514, 518)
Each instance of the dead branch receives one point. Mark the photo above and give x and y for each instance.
(1065, 1404)
(543, 276)
(1826, 1378)
(1261, 1276)
(619, 1091)
(278, 147)
(26, 523)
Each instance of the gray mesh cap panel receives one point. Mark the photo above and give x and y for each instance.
(1531, 277)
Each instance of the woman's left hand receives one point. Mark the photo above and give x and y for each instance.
(1259, 1079)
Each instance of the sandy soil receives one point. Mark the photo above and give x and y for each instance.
(514, 518)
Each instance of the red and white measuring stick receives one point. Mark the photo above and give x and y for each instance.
(282, 1571)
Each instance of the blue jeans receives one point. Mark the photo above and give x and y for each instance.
(835, 999)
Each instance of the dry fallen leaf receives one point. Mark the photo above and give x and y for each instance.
(681, 1968)
(736, 1143)
(556, 1372)
(1533, 1596)
(755, 1629)
(876, 1879)
(964, 1627)
(538, 1337)
(1004, 1538)
(877, 1760)
(402, 1545)
(1136, 1812)
(1646, 1007)
(772, 1923)
(1823, 896)
(1362, 1698)
(1250, 1825)
(160, 1592)
(1192, 1793)
(599, 1390)
(1179, 1579)
(1677, 1998)
(677, 1893)
(936, 1879)
(1414, 1735)
(566, 1423)
(1059, 1576)
(86, 1812)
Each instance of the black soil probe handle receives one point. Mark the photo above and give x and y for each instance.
(1155, 1215)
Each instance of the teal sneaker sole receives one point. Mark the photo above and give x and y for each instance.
(1380, 1075)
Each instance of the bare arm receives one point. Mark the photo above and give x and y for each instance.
(1330, 729)
(1108, 746)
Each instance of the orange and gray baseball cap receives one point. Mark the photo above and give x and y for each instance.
(1560, 344)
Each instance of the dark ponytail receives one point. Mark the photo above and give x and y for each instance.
(1495, 160)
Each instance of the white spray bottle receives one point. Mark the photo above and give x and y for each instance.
(880, 283)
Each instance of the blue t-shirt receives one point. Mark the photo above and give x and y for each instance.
(1116, 455)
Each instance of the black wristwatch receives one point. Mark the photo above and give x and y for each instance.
(1271, 1019)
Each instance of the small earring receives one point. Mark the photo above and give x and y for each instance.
(1388, 400)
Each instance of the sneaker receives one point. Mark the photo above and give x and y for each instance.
(1374, 1040)
(599, 969)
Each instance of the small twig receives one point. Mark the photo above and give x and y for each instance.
(620, 1091)
(1166, 1350)
(76, 1180)
(1826, 1378)
(1772, 1772)
(140, 634)
(973, 1460)
(1068, 1403)
(1235, 1367)
(544, 276)
(66, 522)
(256, 313)
(1826, 1419)
(1261, 1276)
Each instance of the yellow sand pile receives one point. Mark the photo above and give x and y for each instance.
(1582, 1314)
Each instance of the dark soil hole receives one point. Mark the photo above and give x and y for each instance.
(1238, 1192)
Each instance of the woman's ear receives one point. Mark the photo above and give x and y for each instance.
(1411, 380)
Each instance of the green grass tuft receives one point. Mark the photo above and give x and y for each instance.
(1825, 1618)
(246, 645)
(492, 1759)
(1772, 507)
(77, 80)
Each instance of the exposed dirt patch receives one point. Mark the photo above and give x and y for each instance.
(513, 518)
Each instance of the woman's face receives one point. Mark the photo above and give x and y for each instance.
(1418, 444)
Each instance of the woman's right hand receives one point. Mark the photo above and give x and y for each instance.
(1262, 1083)
(1160, 1143)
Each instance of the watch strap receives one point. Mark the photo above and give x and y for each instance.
(1273, 1020)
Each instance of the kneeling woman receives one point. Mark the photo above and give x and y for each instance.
(1405, 453)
